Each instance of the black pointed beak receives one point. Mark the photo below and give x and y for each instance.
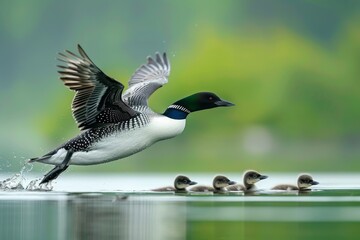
(231, 182)
(192, 183)
(223, 103)
(263, 177)
(314, 183)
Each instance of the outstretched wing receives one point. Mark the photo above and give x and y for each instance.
(146, 80)
(98, 98)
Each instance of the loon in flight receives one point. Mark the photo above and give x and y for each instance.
(114, 124)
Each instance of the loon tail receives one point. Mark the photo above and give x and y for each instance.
(41, 159)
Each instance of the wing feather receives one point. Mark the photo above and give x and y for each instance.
(146, 80)
(96, 93)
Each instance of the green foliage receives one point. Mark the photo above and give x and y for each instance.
(302, 92)
(286, 83)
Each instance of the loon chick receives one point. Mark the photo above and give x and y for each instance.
(303, 183)
(116, 125)
(180, 184)
(220, 183)
(250, 178)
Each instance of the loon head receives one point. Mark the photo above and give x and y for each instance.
(182, 182)
(252, 177)
(306, 181)
(196, 102)
(221, 181)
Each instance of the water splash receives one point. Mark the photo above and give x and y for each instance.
(46, 186)
(26, 168)
(17, 182)
(35, 185)
(14, 182)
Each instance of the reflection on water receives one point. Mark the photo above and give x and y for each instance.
(33, 217)
(120, 217)
(321, 214)
(90, 216)
(165, 216)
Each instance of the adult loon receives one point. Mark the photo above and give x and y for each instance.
(181, 182)
(115, 124)
(303, 183)
(219, 185)
(250, 178)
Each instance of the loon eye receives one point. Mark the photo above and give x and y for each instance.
(210, 98)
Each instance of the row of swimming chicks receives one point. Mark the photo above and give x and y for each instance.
(222, 184)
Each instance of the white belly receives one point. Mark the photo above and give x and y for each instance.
(125, 143)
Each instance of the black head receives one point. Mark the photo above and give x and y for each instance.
(221, 181)
(203, 100)
(305, 181)
(196, 102)
(252, 177)
(181, 182)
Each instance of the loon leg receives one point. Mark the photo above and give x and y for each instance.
(57, 170)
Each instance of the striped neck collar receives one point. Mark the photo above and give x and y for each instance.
(181, 108)
(176, 112)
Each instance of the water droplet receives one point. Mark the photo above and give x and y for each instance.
(27, 167)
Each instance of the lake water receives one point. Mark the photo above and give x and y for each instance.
(119, 207)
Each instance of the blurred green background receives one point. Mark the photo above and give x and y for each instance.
(291, 67)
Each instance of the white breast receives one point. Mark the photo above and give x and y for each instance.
(126, 143)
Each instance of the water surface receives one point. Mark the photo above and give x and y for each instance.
(117, 207)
